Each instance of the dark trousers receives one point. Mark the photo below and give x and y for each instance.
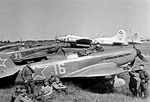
(133, 90)
(29, 85)
(134, 86)
(144, 89)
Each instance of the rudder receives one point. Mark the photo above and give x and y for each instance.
(121, 36)
(5, 61)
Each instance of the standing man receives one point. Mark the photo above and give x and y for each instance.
(134, 83)
(27, 76)
(144, 77)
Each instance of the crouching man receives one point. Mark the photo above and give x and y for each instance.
(58, 86)
(45, 92)
(20, 95)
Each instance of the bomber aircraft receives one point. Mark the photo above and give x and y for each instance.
(136, 39)
(74, 40)
(119, 39)
(103, 65)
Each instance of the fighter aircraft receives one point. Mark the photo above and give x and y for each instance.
(8, 46)
(136, 39)
(32, 54)
(119, 39)
(100, 65)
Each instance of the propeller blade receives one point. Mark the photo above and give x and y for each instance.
(57, 49)
(133, 43)
(132, 63)
(132, 40)
(142, 58)
(62, 50)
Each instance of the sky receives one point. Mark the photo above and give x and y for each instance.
(44, 19)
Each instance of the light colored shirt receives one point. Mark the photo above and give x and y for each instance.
(58, 85)
(46, 90)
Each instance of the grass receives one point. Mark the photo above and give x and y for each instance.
(76, 94)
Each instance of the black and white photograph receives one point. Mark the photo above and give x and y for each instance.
(74, 50)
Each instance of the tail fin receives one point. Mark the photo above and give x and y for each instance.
(136, 37)
(121, 36)
(5, 61)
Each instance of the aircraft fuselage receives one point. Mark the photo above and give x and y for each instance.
(47, 68)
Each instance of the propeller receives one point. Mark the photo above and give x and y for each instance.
(142, 58)
(62, 50)
(132, 40)
(64, 53)
(132, 63)
(56, 38)
(133, 44)
(139, 54)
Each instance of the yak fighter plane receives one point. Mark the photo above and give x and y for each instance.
(33, 54)
(8, 46)
(100, 64)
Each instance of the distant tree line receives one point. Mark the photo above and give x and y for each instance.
(8, 41)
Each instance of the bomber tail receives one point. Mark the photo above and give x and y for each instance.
(120, 37)
(136, 38)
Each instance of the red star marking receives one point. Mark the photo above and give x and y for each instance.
(38, 71)
(2, 62)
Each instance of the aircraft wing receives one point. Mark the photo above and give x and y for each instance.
(35, 55)
(8, 72)
(102, 69)
(84, 41)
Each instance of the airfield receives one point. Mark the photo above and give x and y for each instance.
(77, 94)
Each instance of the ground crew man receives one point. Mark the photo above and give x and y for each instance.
(134, 83)
(58, 86)
(46, 91)
(27, 76)
(96, 48)
(99, 47)
(19, 95)
(144, 77)
(16, 93)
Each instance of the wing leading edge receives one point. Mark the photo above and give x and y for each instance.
(97, 70)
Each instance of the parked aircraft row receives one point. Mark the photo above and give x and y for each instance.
(119, 39)
(103, 65)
